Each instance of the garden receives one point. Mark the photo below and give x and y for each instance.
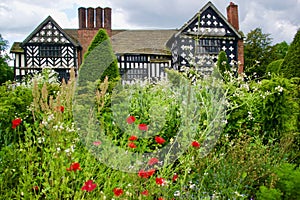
(189, 136)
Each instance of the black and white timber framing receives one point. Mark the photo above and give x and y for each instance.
(141, 53)
(198, 43)
(47, 47)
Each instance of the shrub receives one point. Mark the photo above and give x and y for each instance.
(290, 65)
(223, 64)
(274, 67)
(103, 59)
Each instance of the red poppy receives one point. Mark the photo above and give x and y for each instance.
(145, 193)
(153, 161)
(133, 138)
(146, 174)
(160, 181)
(89, 186)
(175, 177)
(16, 122)
(62, 109)
(143, 127)
(118, 192)
(160, 140)
(97, 143)
(196, 144)
(74, 167)
(35, 188)
(161, 198)
(130, 119)
(131, 145)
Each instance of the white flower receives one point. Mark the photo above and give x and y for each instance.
(40, 140)
(177, 193)
(192, 186)
(279, 88)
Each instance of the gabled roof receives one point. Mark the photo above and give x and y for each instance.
(204, 8)
(142, 42)
(43, 24)
(16, 48)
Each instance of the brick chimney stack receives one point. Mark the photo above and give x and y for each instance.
(233, 19)
(90, 21)
(233, 16)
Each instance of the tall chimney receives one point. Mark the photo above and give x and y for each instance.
(90, 18)
(107, 20)
(232, 15)
(99, 19)
(82, 18)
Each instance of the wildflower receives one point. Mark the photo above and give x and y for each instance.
(118, 192)
(132, 138)
(74, 167)
(160, 181)
(131, 145)
(35, 188)
(146, 174)
(161, 198)
(145, 193)
(160, 140)
(143, 127)
(153, 161)
(130, 119)
(62, 109)
(177, 193)
(89, 186)
(16, 122)
(97, 143)
(196, 144)
(175, 177)
(279, 88)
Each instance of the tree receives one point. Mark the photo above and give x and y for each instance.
(112, 72)
(290, 65)
(257, 51)
(280, 50)
(6, 73)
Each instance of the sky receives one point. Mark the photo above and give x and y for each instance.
(279, 18)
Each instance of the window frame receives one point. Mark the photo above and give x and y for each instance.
(208, 46)
(50, 51)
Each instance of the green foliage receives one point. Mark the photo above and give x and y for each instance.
(102, 47)
(268, 194)
(274, 67)
(223, 64)
(14, 103)
(257, 51)
(246, 161)
(6, 73)
(287, 185)
(280, 50)
(290, 65)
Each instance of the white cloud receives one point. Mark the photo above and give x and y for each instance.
(18, 18)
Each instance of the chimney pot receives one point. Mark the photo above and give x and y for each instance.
(99, 18)
(90, 18)
(107, 18)
(82, 17)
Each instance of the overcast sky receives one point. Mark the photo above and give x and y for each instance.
(279, 18)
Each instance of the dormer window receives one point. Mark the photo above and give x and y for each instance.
(50, 51)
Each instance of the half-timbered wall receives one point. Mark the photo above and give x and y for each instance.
(200, 42)
(133, 67)
(49, 48)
